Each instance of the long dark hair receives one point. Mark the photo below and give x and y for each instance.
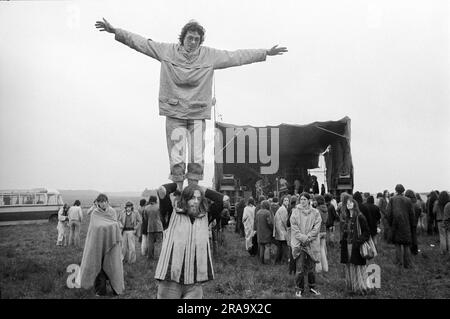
(443, 199)
(65, 209)
(188, 193)
(355, 208)
(433, 196)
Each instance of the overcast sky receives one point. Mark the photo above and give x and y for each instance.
(79, 110)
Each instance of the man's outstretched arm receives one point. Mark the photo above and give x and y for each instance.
(139, 43)
(224, 59)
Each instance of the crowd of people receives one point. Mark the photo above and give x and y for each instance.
(299, 232)
(178, 230)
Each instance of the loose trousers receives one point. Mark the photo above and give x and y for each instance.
(129, 246)
(182, 135)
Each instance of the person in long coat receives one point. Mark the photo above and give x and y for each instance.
(185, 262)
(280, 231)
(264, 231)
(401, 217)
(248, 219)
(305, 226)
(354, 232)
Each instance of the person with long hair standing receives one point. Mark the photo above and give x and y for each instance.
(185, 261)
(63, 226)
(354, 232)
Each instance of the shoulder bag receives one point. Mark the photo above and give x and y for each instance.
(367, 249)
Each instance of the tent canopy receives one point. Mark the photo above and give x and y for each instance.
(299, 148)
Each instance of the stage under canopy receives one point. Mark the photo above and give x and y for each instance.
(250, 153)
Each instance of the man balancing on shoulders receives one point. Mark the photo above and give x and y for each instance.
(185, 92)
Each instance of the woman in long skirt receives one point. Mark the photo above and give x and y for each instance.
(354, 232)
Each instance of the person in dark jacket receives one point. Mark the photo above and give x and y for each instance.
(274, 206)
(354, 232)
(144, 228)
(239, 213)
(332, 218)
(322, 190)
(142, 204)
(401, 216)
(154, 228)
(365, 211)
(314, 185)
(264, 230)
(374, 213)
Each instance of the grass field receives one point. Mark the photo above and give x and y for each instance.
(32, 266)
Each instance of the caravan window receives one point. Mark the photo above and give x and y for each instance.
(52, 199)
(27, 199)
(40, 199)
(12, 199)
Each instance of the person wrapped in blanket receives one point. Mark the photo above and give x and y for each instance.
(185, 261)
(101, 261)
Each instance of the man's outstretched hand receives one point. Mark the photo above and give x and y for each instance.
(105, 26)
(276, 51)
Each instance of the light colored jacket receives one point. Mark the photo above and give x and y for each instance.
(248, 219)
(305, 227)
(280, 224)
(75, 213)
(185, 90)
